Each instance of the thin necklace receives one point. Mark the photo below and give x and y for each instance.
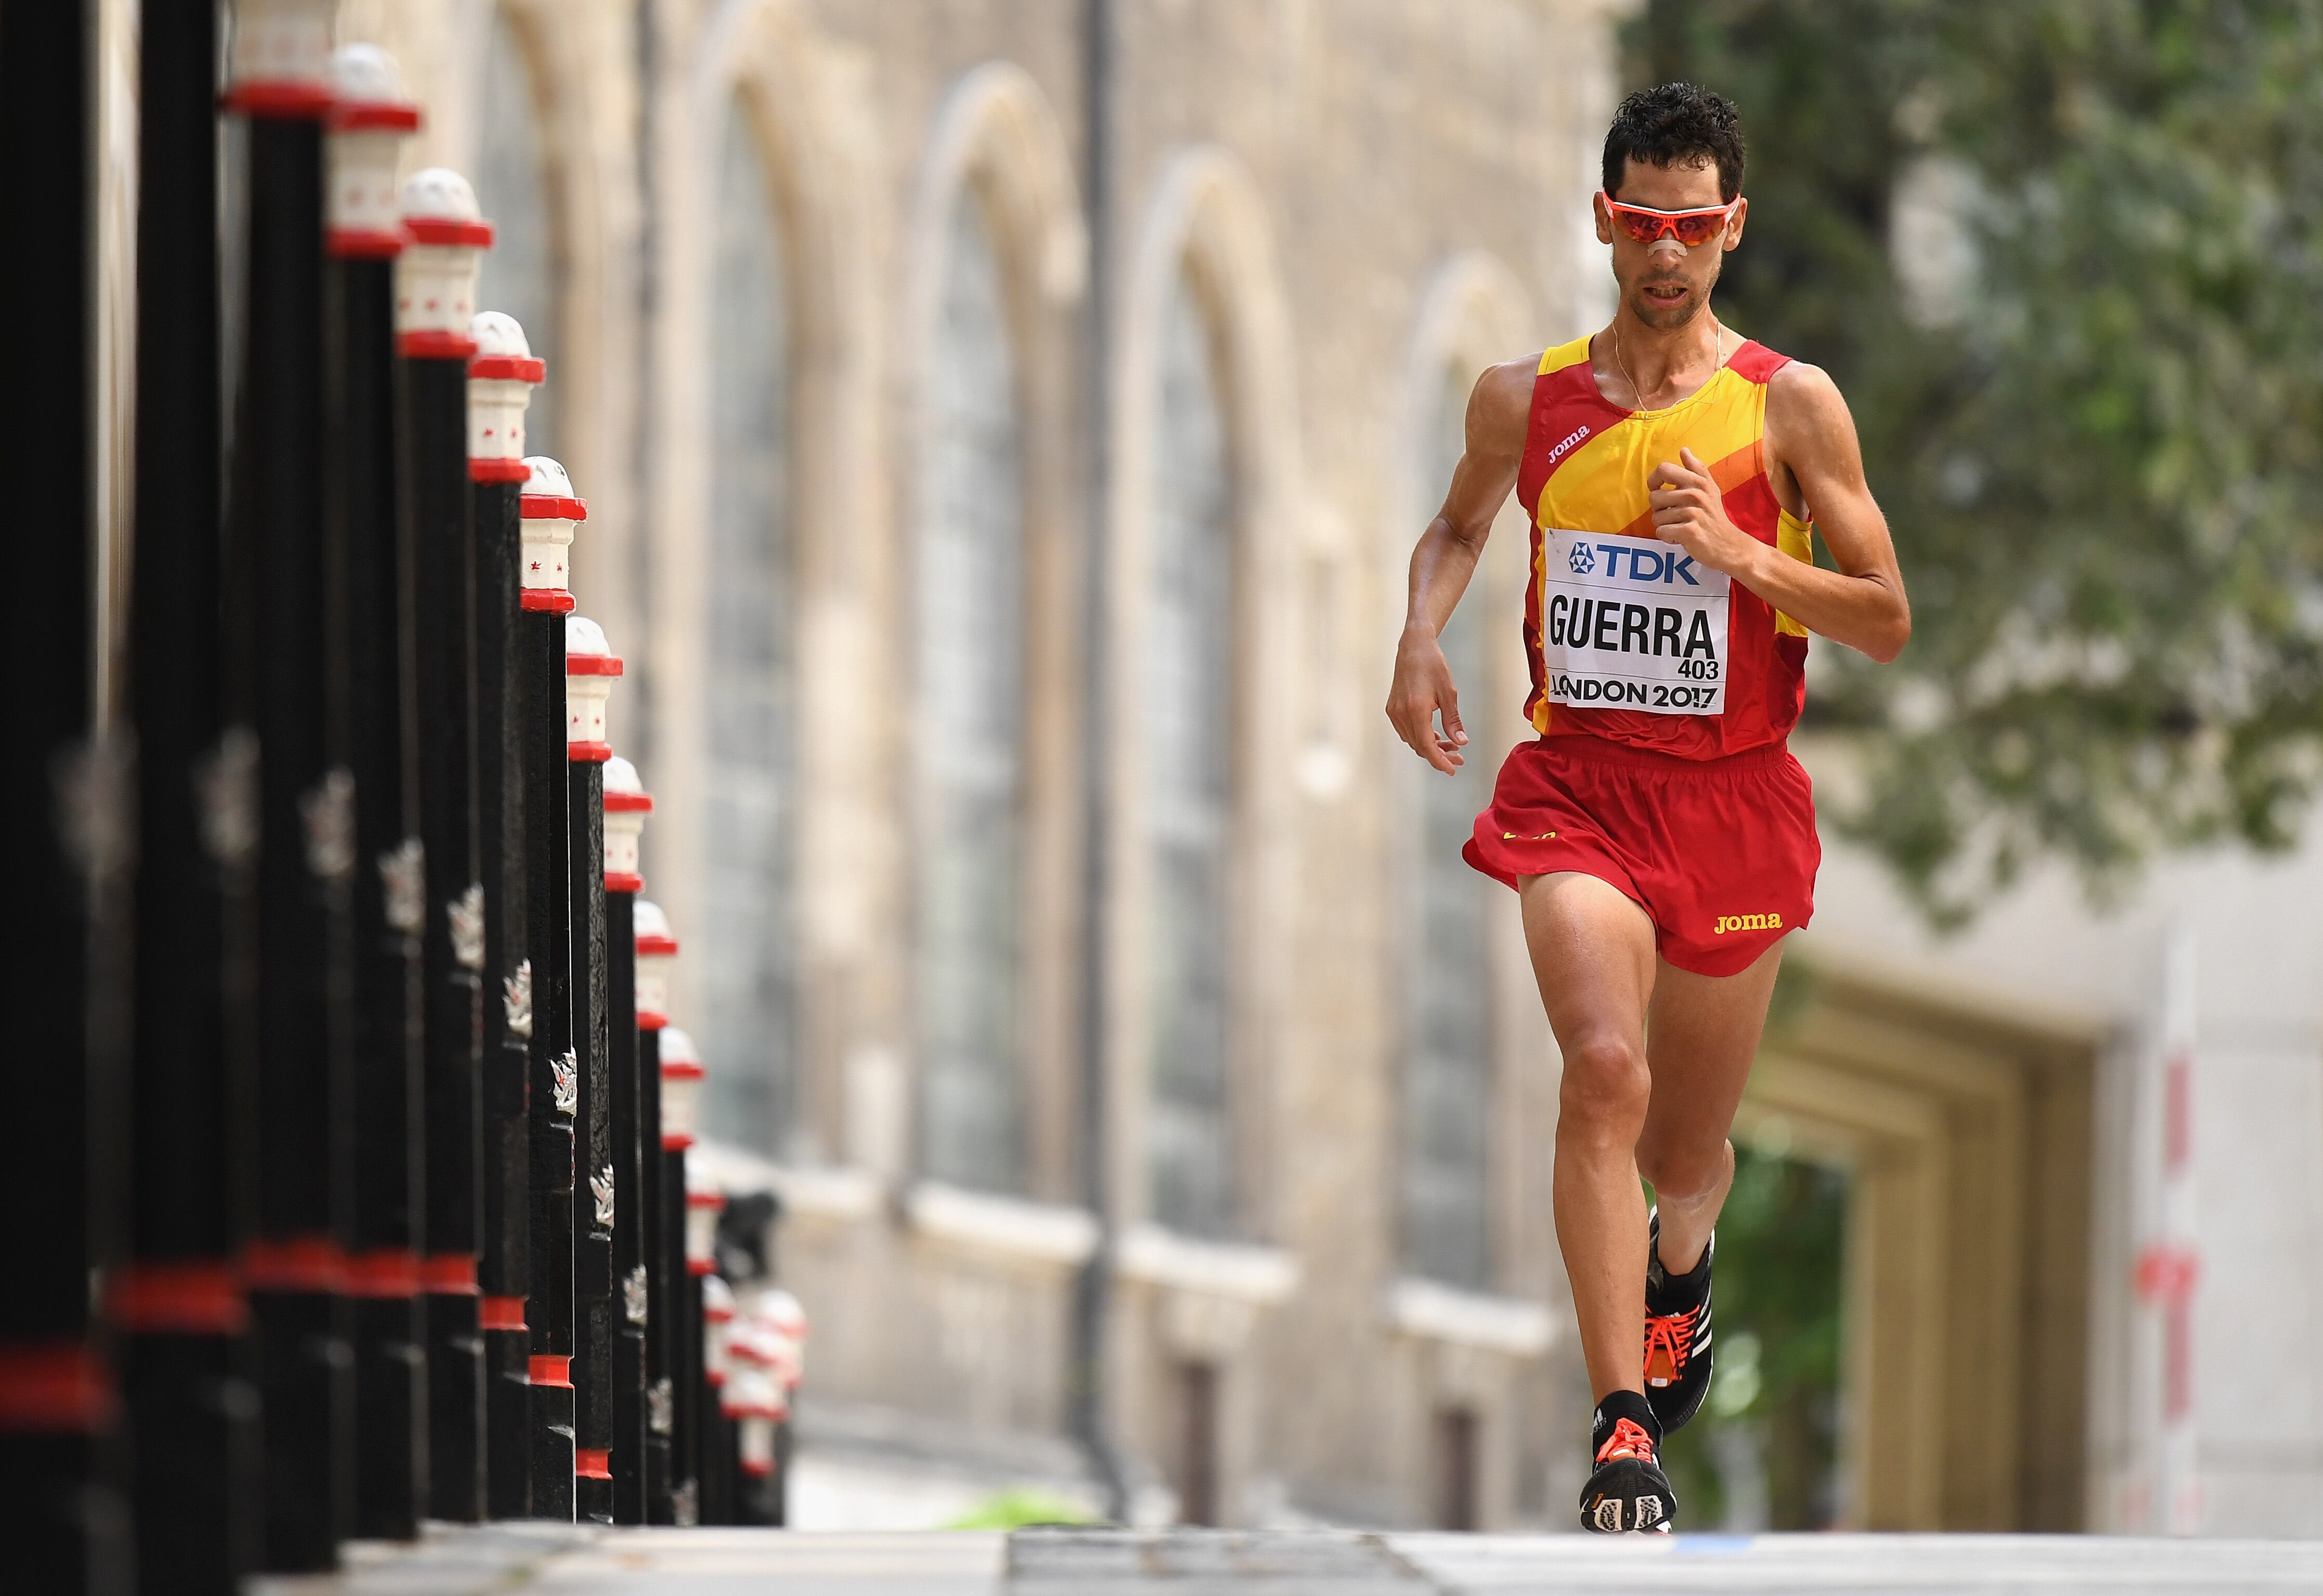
(1718, 358)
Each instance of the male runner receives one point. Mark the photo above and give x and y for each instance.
(1658, 832)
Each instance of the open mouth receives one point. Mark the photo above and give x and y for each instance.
(1667, 295)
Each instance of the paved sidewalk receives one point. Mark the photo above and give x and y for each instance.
(559, 1561)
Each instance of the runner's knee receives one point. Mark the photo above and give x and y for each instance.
(1606, 1086)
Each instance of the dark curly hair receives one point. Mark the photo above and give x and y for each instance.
(1676, 124)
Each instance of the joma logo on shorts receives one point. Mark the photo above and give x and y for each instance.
(1741, 923)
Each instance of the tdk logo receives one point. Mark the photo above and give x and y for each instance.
(1645, 565)
(1565, 447)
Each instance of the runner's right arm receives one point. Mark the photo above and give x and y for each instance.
(1499, 408)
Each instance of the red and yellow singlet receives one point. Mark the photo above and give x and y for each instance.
(1631, 640)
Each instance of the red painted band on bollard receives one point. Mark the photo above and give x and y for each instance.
(592, 664)
(593, 1462)
(52, 1388)
(435, 344)
(449, 1274)
(361, 243)
(701, 1266)
(443, 232)
(294, 1263)
(551, 506)
(284, 100)
(177, 1297)
(649, 1021)
(488, 468)
(628, 881)
(384, 1272)
(555, 1372)
(587, 753)
(374, 116)
(655, 947)
(676, 1143)
(628, 803)
(550, 600)
(501, 1312)
(509, 368)
(683, 1069)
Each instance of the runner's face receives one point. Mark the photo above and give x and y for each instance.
(1664, 283)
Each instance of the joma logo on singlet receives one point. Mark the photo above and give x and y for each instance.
(1565, 447)
(1743, 923)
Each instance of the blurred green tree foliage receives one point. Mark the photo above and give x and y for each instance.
(2065, 258)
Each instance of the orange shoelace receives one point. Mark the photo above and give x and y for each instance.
(1628, 1439)
(1669, 1341)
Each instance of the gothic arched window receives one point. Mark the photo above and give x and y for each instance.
(746, 953)
(520, 272)
(968, 638)
(1448, 1075)
(1188, 778)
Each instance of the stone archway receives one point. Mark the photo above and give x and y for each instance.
(1967, 1141)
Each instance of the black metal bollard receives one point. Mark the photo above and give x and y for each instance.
(57, 1447)
(626, 806)
(590, 668)
(279, 683)
(500, 380)
(365, 236)
(179, 1305)
(435, 306)
(669, 1086)
(550, 511)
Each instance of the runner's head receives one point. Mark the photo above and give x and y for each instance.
(1676, 149)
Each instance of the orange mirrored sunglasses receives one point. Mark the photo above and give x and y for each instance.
(1690, 228)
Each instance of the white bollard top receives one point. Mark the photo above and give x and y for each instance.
(439, 207)
(370, 117)
(500, 378)
(655, 948)
(589, 666)
(367, 89)
(655, 938)
(717, 1296)
(623, 790)
(436, 279)
(679, 1058)
(584, 639)
(783, 1311)
(551, 510)
(627, 804)
(502, 350)
(282, 59)
(545, 481)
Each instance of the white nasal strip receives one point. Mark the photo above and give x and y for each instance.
(1631, 623)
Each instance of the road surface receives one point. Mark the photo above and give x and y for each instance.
(554, 1560)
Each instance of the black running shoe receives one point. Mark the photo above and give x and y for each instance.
(1677, 1332)
(1628, 1491)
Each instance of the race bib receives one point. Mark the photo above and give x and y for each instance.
(1631, 623)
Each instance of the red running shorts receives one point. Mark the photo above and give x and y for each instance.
(1720, 853)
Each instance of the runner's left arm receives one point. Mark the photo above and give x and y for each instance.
(1815, 463)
